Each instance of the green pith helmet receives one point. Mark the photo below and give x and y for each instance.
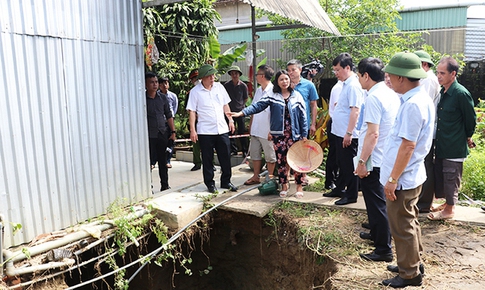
(234, 68)
(206, 70)
(424, 57)
(406, 64)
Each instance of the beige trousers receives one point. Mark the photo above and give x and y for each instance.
(406, 231)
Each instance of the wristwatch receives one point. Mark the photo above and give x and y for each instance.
(392, 180)
(349, 133)
(361, 162)
(173, 132)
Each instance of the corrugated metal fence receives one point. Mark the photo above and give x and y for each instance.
(72, 111)
(469, 40)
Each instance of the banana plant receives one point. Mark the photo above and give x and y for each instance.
(226, 59)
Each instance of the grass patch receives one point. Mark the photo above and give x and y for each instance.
(318, 186)
(325, 231)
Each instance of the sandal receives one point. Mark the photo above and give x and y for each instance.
(299, 194)
(438, 216)
(438, 208)
(251, 182)
(283, 193)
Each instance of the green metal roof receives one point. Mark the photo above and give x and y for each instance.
(432, 19)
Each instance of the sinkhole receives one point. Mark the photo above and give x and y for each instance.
(229, 250)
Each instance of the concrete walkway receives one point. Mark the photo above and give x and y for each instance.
(183, 202)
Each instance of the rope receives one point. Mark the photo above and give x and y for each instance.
(232, 136)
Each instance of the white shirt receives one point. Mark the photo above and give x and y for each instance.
(209, 106)
(431, 86)
(334, 95)
(414, 122)
(260, 125)
(352, 95)
(381, 106)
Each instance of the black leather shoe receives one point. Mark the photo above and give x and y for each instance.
(366, 226)
(164, 188)
(365, 236)
(211, 188)
(398, 282)
(344, 201)
(377, 257)
(395, 268)
(196, 167)
(331, 186)
(483, 207)
(229, 186)
(333, 193)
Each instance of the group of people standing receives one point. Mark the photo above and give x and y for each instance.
(284, 112)
(393, 137)
(291, 117)
(394, 132)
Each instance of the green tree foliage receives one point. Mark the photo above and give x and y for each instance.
(368, 28)
(181, 32)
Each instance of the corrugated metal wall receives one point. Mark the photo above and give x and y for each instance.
(449, 41)
(432, 19)
(475, 39)
(72, 111)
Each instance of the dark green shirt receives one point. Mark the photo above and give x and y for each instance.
(456, 121)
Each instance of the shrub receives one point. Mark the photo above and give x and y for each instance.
(473, 183)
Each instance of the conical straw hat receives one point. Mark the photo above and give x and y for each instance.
(305, 156)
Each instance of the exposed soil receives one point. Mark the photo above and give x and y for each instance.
(454, 256)
(244, 253)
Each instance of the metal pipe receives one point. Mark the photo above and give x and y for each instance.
(151, 255)
(78, 265)
(11, 257)
(440, 6)
(12, 271)
(70, 238)
(253, 47)
(1, 245)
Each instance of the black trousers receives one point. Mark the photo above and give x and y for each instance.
(240, 129)
(158, 147)
(375, 202)
(331, 168)
(347, 180)
(427, 191)
(221, 144)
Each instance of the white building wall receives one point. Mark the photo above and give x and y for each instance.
(72, 112)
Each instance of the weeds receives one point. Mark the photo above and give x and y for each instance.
(318, 229)
(206, 198)
(129, 230)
